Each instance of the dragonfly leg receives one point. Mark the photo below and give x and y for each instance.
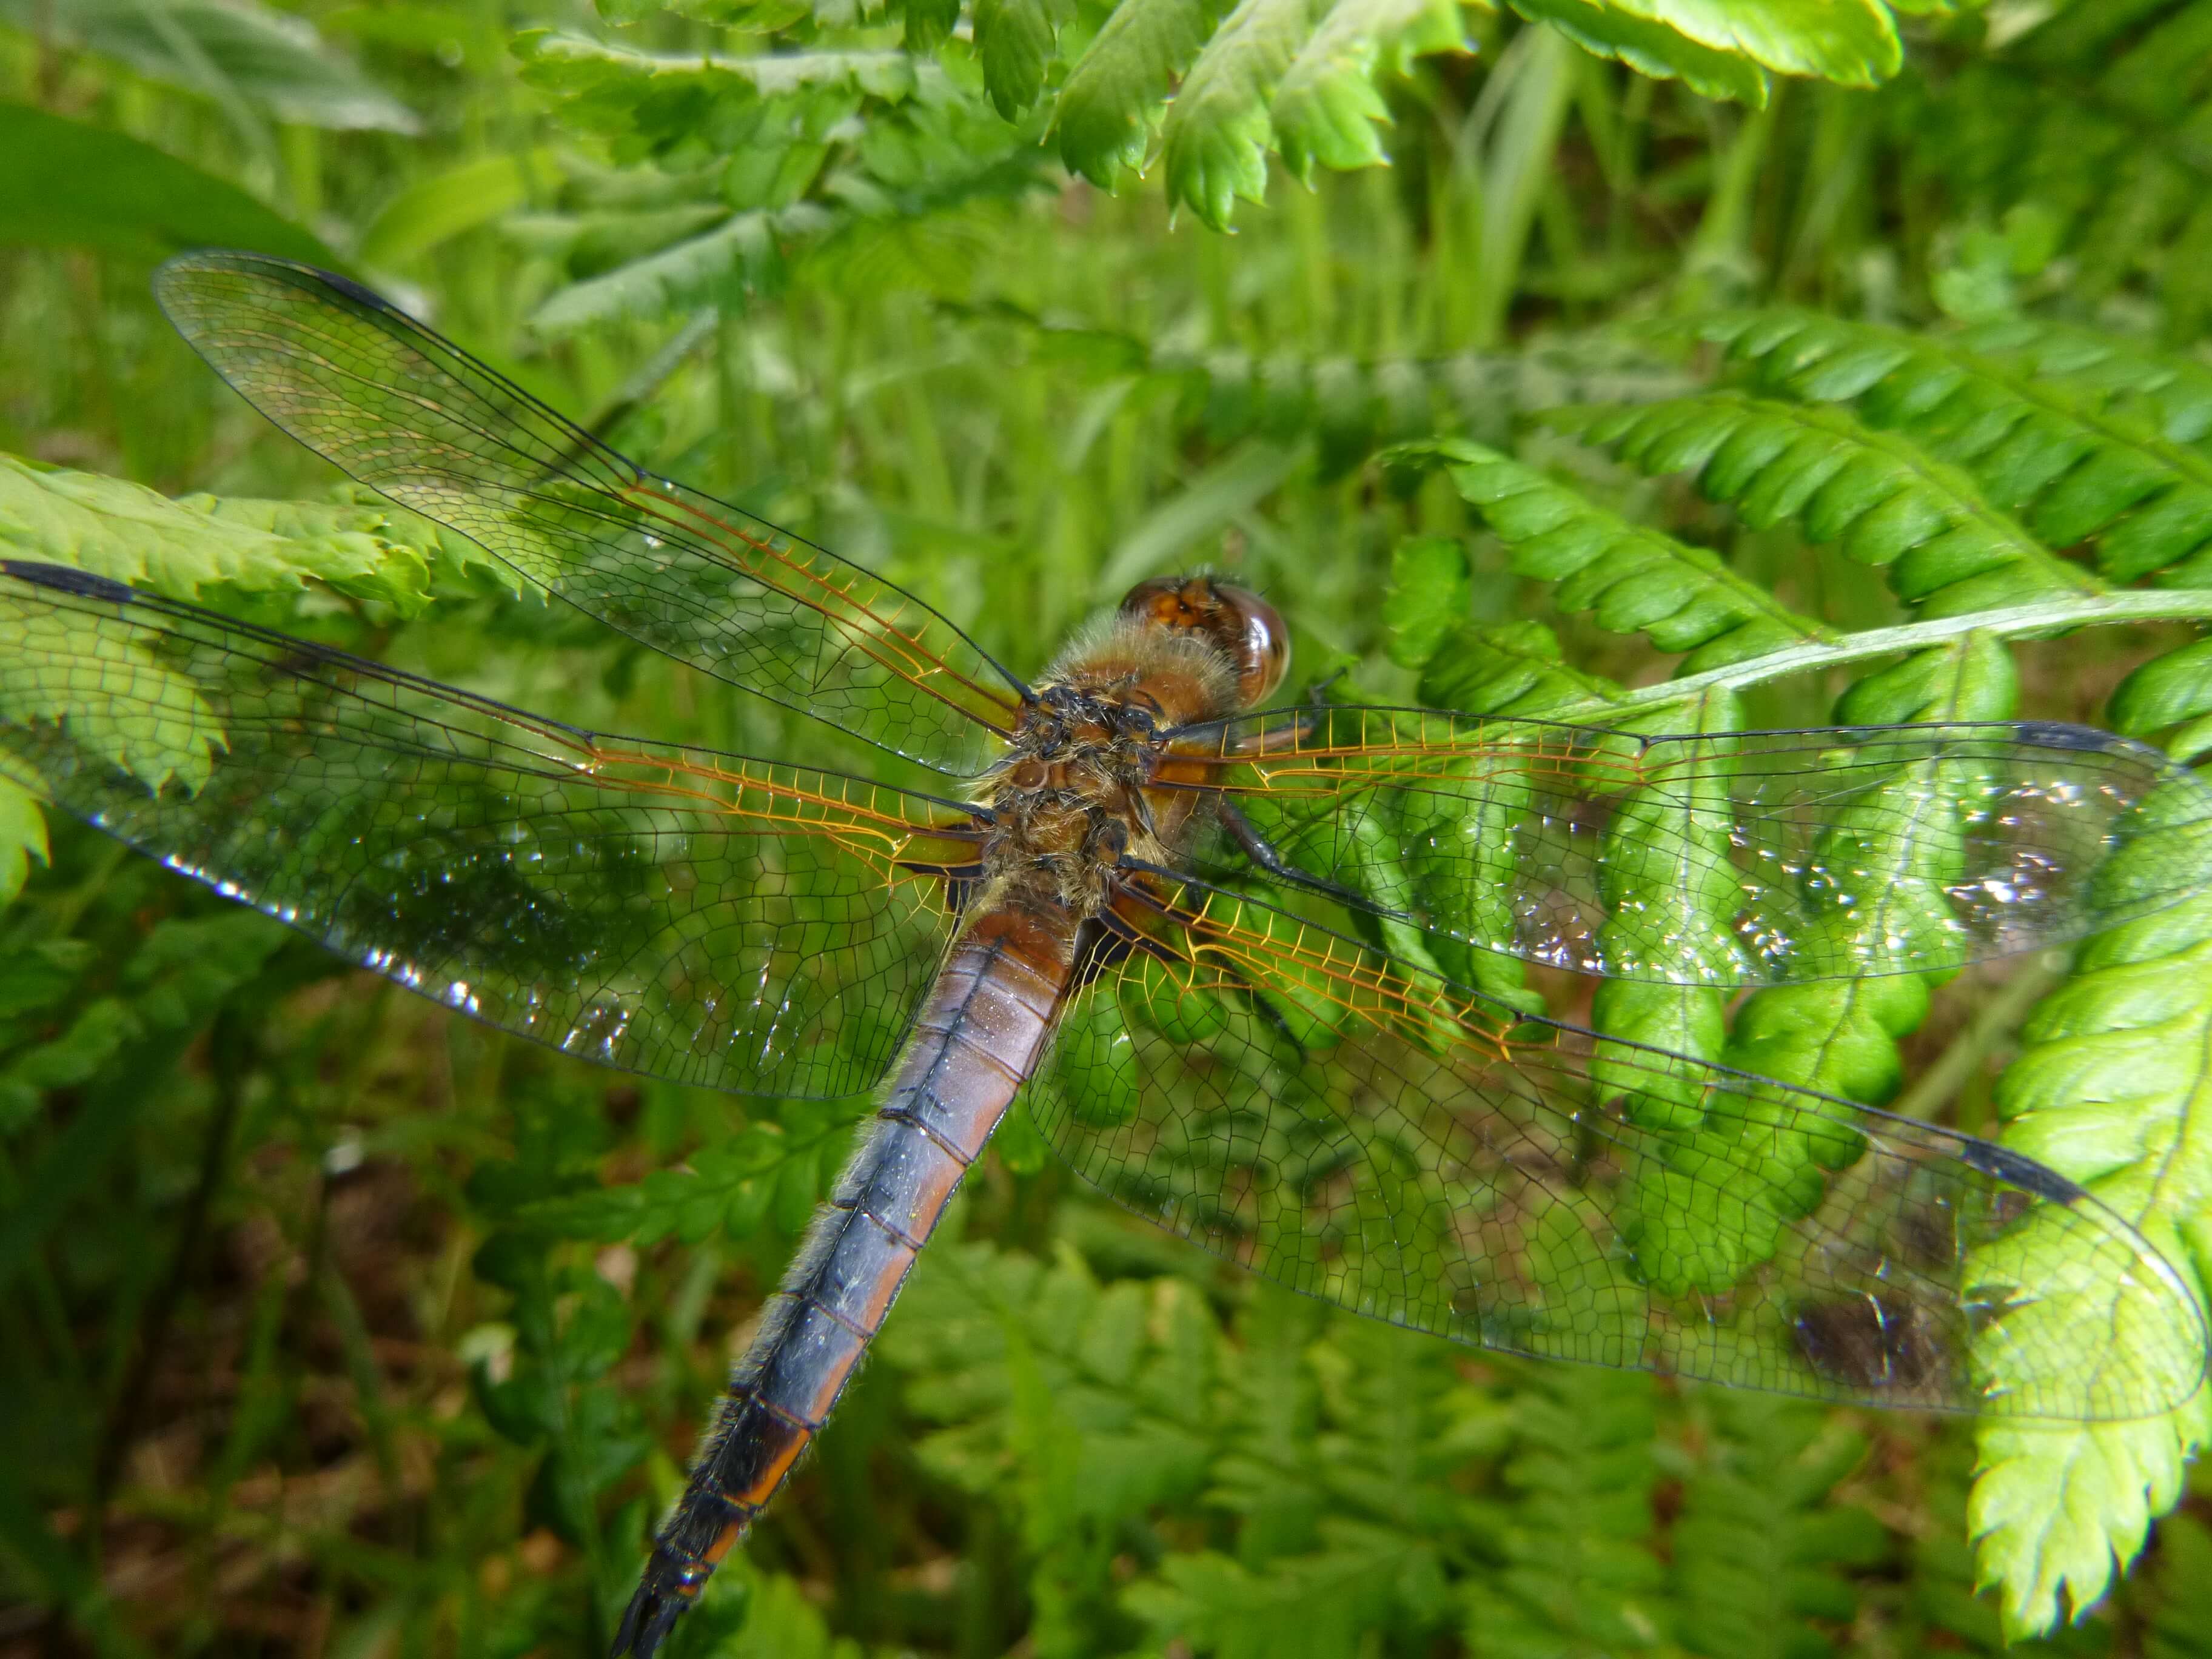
(1258, 848)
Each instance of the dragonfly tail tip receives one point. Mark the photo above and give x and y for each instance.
(652, 1613)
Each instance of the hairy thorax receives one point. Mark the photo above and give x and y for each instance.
(1075, 791)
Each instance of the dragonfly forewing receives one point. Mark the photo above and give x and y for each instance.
(413, 416)
(1820, 854)
(704, 917)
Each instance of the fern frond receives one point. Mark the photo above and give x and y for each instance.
(1214, 142)
(2175, 389)
(180, 548)
(1636, 579)
(2115, 1069)
(1313, 1607)
(2095, 120)
(1578, 1573)
(1726, 51)
(1759, 1550)
(1842, 1036)
(1649, 46)
(1669, 887)
(1015, 40)
(2168, 691)
(1350, 405)
(1326, 108)
(1105, 110)
(2072, 464)
(1881, 497)
(22, 838)
(1128, 1368)
(1398, 1432)
(1514, 668)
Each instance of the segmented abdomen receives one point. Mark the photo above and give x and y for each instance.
(981, 1032)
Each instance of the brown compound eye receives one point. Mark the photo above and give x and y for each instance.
(1247, 629)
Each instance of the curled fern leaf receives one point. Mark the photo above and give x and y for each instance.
(1881, 497)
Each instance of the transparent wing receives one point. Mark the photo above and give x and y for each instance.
(413, 416)
(699, 917)
(1290, 1099)
(1839, 852)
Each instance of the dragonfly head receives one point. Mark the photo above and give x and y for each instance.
(1243, 626)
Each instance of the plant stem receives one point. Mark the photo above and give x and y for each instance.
(2044, 617)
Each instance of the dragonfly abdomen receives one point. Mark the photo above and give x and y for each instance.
(981, 1032)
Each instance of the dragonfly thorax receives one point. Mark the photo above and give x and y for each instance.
(1072, 798)
(1068, 799)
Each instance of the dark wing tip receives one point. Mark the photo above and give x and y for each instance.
(67, 579)
(2024, 1173)
(2060, 734)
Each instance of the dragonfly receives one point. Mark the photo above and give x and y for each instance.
(1257, 967)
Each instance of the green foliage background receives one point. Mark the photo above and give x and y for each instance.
(1691, 364)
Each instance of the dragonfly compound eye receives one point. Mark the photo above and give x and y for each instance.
(1247, 629)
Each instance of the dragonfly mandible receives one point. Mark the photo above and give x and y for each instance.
(1251, 967)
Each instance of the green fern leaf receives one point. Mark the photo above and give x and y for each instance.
(1428, 596)
(1850, 42)
(1720, 48)
(1651, 48)
(1877, 495)
(2172, 691)
(1269, 1472)
(178, 548)
(1841, 1035)
(1578, 1574)
(1635, 579)
(1214, 142)
(1015, 40)
(2071, 463)
(738, 258)
(2175, 388)
(2053, 1521)
(1759, 1550)
(1127, 1370)
(2112, 1072)
(1513, 668)
(1327, 108)
(22, 838)
(1304, 1608)
(1396, 1441)
(1669, 886)
(1105, 110)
